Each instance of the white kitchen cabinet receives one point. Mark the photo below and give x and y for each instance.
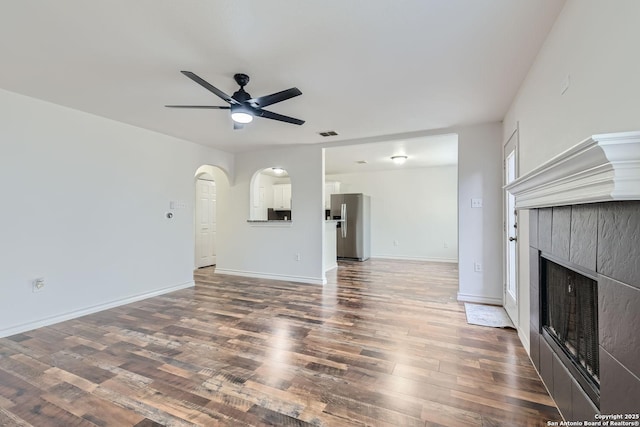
(282, 196)
(330, 187)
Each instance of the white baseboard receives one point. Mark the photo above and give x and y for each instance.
(524, 339)
(331, 267)
(410, 258)
(89, 310)
(480, 299)
(269, 276)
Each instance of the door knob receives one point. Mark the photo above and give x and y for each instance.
(513, 239)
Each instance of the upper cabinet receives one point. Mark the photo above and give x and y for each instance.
(330, 187)
(281, 196)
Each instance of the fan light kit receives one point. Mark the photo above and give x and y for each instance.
(398, 160)
(243, 107)
(240, 117)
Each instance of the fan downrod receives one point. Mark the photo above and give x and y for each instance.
(241, 79)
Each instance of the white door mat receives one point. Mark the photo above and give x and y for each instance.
(487, 315)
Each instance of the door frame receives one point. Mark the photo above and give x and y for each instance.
(510, 302)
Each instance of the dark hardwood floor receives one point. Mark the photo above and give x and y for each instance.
(385, 343)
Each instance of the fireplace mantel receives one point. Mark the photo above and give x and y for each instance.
(601, 168)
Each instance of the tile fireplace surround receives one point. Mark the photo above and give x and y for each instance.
(585, 212)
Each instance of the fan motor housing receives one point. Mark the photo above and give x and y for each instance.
(241, 96)
(241, 79)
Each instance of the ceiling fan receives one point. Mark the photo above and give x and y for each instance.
(243, 107)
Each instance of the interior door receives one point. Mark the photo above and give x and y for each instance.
(510, 159)
(205, 223)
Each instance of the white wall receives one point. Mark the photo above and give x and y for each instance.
(480, 229)
(83, 205)
(418, 208)
(595, 42)
(269, 250)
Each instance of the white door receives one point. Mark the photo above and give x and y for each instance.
(205, 223)
(511, 230)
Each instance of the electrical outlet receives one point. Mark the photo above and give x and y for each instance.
(445, 245)
(476, 203)
(38, 284)
(477, 267)
(395, 243)
(298, 257)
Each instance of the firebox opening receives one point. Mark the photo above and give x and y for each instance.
(570, 319)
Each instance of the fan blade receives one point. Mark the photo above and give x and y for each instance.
(263, 101)
(237, 126)
(212, 107)
(275, 116)
(205, 84)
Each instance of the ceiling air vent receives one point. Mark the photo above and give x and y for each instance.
(361, 162)
(328, 133)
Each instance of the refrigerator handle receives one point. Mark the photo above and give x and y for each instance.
(343, 215)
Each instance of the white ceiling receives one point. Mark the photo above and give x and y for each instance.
(421, 152)
(365, 67)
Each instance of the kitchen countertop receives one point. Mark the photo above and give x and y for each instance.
(270, 223)
(281, 221)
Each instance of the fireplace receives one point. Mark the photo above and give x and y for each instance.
(569, 317)
(583, 209)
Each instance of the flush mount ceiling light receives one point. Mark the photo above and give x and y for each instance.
(278, 171)
(239, 114)
(398, 160)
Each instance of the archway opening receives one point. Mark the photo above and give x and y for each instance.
(270, 195)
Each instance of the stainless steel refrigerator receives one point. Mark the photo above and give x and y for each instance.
(353, 229)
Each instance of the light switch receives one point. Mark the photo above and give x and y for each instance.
(176, 204)
(476, 203)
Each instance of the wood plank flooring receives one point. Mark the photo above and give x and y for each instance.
(385, 343)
